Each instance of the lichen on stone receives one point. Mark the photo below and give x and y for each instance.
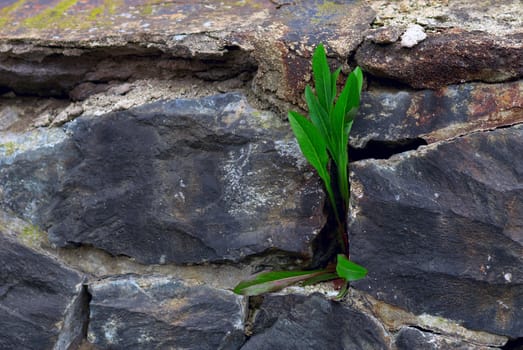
(32, 235)
(8, 148)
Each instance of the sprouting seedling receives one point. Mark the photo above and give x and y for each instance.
(325, 136)
(323, 139)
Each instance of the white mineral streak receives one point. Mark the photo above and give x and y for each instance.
(413, 35)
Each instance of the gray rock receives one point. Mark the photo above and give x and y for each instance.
(182, 181)
(313, 322)
(31, 167)
(8, 116)
(440, 230)
(43, 303)
(409, 338)
(158, 312)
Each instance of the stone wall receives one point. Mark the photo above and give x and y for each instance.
(146, 167)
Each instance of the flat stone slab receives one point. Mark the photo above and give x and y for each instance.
(447, 57)
(70, 37)
(440, 230)
(42, 302)
(313, 322)
(132, 312)
(412, 338)
(184, 181)
(436, 115)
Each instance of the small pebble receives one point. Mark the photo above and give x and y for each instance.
(413, 35)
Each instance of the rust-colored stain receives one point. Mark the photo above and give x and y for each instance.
(490, 101)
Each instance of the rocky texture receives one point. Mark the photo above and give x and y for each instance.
(502, 17)
(412, 338)
(175, 181)
(286, 45)
(435, 115)
(207, 40)
(440, 230)
(31, 166)
(184, 181)
(397, 320)
(43, 303)
(312, 322)
(145, 312)
(449, 57)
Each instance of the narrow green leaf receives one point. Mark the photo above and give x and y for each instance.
(354, 83)
(341, 140)
(348, 124)
(266, 282)
(322, 77)
(359, 77)
(342, 164)
(319, 116)
(349, 270)
(334, 80)
(338, 118)
(311, 143)
(313, 148)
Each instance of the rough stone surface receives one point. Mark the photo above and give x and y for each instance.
(145, 312)
(176, 181)
(436, 115)
(410, 338)
(384, 35)
(211, 179)
(500, 17)
(42, 303)
(231, 36)
(395, 319)
(440, 230)
(448, 57)
(313, 322)
(31, 166)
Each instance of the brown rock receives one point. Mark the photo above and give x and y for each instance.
(434, 115)
(449, 57)
(77, 44)
(84, 90)
(68, 114)
(384, 35)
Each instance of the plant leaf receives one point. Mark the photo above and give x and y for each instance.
(359, 77)
(319, 116)
(354, 83)
(311, 144)
(349, 270)
(334, 80)
(341, 141)
(313, 148)
(266, 282)
(322, 77)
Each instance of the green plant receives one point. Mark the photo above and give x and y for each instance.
(323, 140)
